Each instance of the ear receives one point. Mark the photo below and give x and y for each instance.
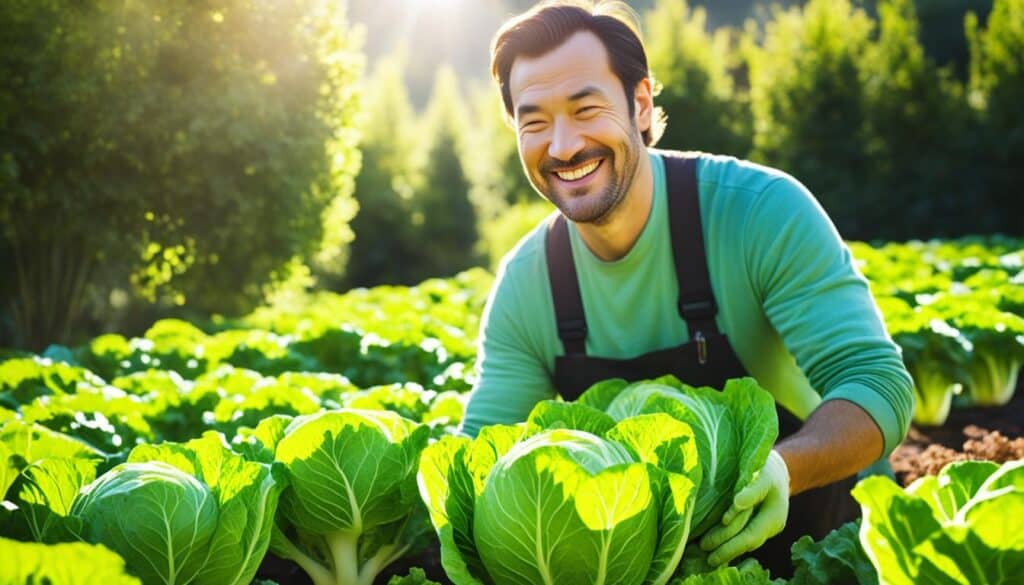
(643, 104)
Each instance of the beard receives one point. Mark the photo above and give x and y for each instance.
(591, 204)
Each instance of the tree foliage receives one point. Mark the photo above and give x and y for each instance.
(444, 216)
(193, 149)
(416, 219)
(807, 105)
(909, 102)
(385, 246)
(997, 92)
(492, 156)
(705, 111)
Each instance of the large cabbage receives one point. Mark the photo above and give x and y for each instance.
(192, 513)
(157, 517)
(735, 429)
(571, 496)
(351, 507)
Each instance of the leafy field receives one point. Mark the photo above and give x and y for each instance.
(322, 430)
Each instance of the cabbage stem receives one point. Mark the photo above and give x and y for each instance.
(384, 556)
(317, 572)
(345, 551)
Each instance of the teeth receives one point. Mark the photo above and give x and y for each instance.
(578, 173)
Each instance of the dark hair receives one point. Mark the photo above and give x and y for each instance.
(546, 26)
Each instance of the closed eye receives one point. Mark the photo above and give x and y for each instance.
(531, 125)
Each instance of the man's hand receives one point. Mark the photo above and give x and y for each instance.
(758, 512)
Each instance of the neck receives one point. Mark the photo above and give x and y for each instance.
(613, 238)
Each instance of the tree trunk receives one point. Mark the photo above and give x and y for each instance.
(49, 291)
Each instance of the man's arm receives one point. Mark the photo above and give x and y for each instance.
(512, 377)
(818, 455)
(823, 311)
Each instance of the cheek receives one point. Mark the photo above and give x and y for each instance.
(531, 152)
(618, 126)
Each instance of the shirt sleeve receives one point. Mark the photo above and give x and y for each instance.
(512, 377)
(822, 308)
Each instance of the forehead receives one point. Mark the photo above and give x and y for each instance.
(580, 61)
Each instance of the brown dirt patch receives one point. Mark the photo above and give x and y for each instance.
(994, 434)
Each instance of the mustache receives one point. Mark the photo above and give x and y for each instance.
(550, 165)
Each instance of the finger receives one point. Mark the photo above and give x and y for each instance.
(753, 494)
(746, 499)
(731, 514)
(760, 529)
(730, 550)
(719, 534)
(745, 541)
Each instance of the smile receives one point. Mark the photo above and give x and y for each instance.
(579, 172)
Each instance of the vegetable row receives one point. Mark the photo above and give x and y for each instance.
(613, 488)
(956, 309)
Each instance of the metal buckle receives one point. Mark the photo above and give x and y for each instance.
(702, 348)
(697, 309)
(572, 330)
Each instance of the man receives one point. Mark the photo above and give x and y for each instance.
(746, 275)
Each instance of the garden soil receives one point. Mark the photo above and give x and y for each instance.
(995, 434)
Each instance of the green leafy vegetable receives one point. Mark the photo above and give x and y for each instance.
(351, 508)
(159, 518)
(183, 513)
(748, 572)
(569, 497)
(416, 576)
(960, 527)
(61, 564)
(837, 558)
(735, 429)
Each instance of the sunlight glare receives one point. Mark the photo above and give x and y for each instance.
(435, 6)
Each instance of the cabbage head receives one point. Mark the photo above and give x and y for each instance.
(159, 518)
(183, 513)
(351, 507)
(735, 429)
(570, 496)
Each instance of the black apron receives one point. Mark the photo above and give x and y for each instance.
(706, 360)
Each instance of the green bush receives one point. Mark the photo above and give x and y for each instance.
(185, 151)
(997, 92)
(444, 217)
(912, 190)
(808, 106)
(492, 157)
(503, 232)
(705, 112)
(385, 246)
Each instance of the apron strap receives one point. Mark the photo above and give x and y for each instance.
(565, 288)
(696, 300)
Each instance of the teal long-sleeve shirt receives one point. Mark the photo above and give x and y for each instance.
(795, 309)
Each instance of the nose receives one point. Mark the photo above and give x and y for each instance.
(566, 141)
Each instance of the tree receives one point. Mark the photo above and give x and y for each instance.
(704, 110)
(997, 92)
(443, 214)
(492, 156)
(808, 106)
(385, 248)
(909, 102)
(942, 30)
(191, 150)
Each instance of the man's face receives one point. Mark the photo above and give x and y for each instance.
(579, 145)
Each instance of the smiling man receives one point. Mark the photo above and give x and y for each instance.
(702, 266)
